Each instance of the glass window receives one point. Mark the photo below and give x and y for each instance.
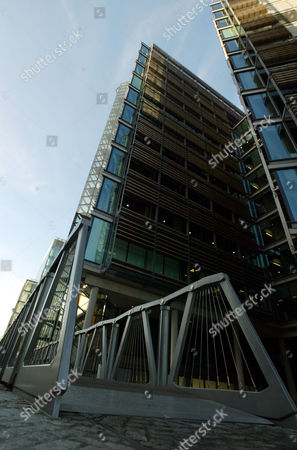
(136, 255)
(272, 230)
(260, 105)
(139, 69)
(249, 80)
(108, 196)
(223, 23)
(257, 180)
(116, 161)
(144, 49)
(219, 14)
(97, 241)
(128, 113)
(120, 249)
(228, 32)
(238, 61)
(251, 161)
(142, 58)
(159, 260)
(171, 268)
(123, 134)
(277, 142)
(133, 96)
(264, 203)
(216, 6)
(136, 82)
(233, 45)
(287, 180)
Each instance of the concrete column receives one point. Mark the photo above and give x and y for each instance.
(174, 333)
(288, 370)
(238, 359)
(91, 307)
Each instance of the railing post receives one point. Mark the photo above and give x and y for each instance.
(111, 365)
(149, 348)
(181, 337)
(163, 345)
(173, 333)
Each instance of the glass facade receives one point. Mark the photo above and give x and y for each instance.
(116, 161)
(108, 196)
(132, 96)
(97, 241)
(128, 114)
(123, 135)
(288, 183)
(261, 106)
(136, 82)
(249, 80)
(277, 142)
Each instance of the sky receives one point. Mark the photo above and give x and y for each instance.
(50, 121)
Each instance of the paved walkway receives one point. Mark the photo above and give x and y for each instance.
(74, 431)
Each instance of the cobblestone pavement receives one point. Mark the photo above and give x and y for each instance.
(74, 431)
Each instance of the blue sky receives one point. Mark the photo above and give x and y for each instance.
(40, 185)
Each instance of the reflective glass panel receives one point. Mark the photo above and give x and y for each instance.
(261, 106)
(288, 182)
(128, 113)
(216, 6)
(144, 49)
(238, 61)
(116, 161)
(219, 14)
(139, 69)
(120, 249)
(249, 80)
(277, 142)
(136, 82)
(132, 96)
(97, 241)
(142, 58)
(171, 268)
(229, 32)
(123, 135)
(108, 196)
(232, 45)
(222, 23)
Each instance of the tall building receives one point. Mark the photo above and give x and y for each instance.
(134, 292)
(259, 42)
(26, 291)
(161, 217)
(50, 256)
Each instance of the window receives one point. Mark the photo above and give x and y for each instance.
(132, 96)
(139, 69)
(128, 114)
(249, 80)
(108, 196)
(136, 82)
(233, 45)
(257, 180)
(219, 14)
(216, 6)
(226, 245)
(144, 49)
(260, 105)
(97, 241)
(116, 161)
(123, 134)
(171, 268)
(172, 220)
(173, 156)
(264, 203)
(228, 33)
(250, 161)
(204, 235)
(239, 60)
(120, 249)
(272, 230)
(172, 184)
(136, 255)
(287, 180)
(222, 23)
(142, 59)
(277, 142)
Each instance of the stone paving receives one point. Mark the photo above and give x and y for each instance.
(75, 431)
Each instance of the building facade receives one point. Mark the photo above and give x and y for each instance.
(50, 256)
(259, 42)
(161, 217)
(26, 291)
